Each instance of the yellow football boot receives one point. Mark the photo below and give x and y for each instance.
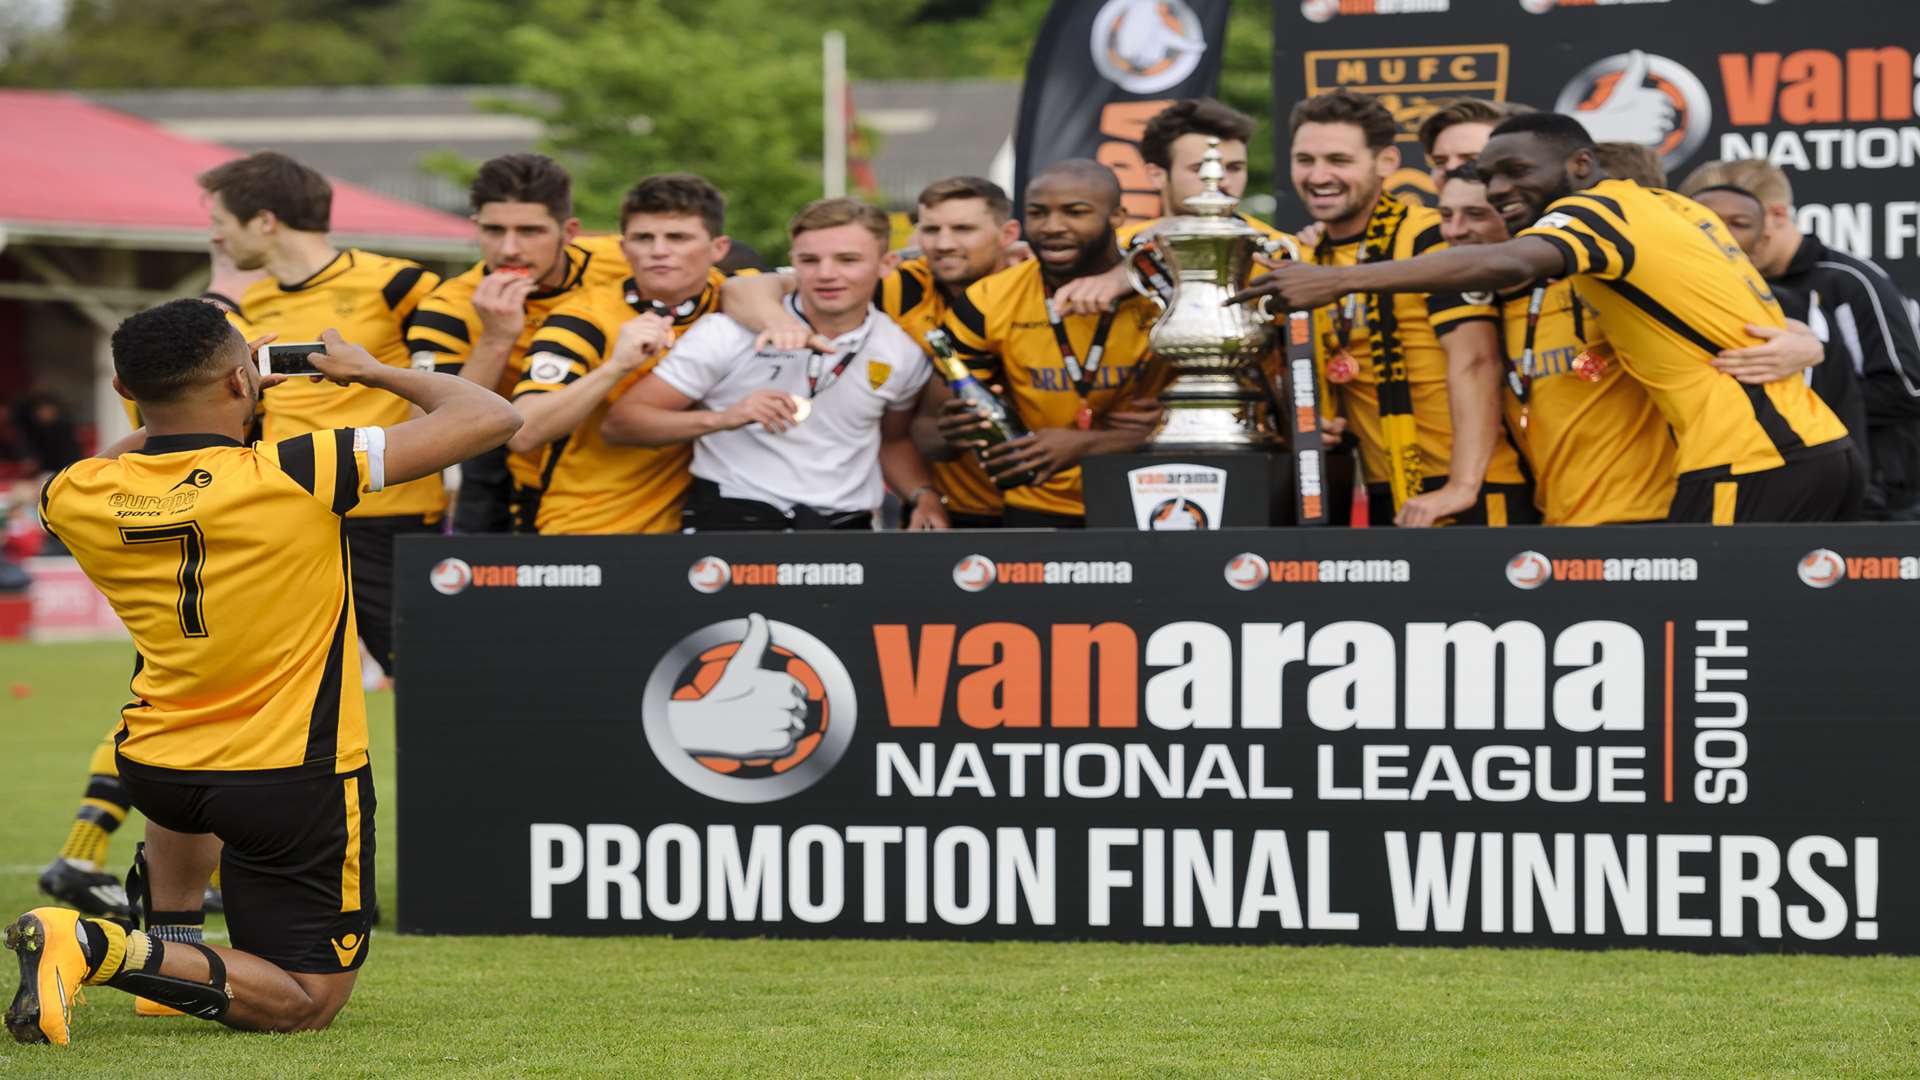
(52, 967)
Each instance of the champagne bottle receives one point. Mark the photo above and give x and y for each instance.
(1002, 424)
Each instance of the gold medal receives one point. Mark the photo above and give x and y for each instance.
(1341, 367)
(1592, 364)
(802, 408)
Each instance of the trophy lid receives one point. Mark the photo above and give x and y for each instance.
(1212, 202)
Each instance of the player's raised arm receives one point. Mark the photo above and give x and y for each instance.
(1487, 267)
(462, 418)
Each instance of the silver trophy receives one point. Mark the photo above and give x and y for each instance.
(1207, 353)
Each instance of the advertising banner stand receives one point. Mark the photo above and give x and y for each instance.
(1670, 737)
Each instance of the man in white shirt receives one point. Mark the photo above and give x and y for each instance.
(796, 439)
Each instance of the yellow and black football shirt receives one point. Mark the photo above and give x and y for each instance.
(228, 564)
(1601, 453)
(1000, 328)
(911, 297)
(368, 298)
(578, 484)
(1418, 320)
(1673, 290)
(445, 327)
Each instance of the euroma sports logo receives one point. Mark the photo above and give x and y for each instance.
(712, 574)
(1248, 571)
(450, 577)
(749, 710)
(976, 572)
(1823, 568)
(1530, 570)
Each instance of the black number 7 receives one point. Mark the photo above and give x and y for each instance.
(193, 552)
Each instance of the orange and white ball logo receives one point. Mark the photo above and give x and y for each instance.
(1246, 571)
(451, 576)
(1822, 568)
(1319, 10)
(975, 572)
(710, 574)
(1147, 46)
(1529, 570)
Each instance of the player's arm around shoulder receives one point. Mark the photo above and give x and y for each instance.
(660, 409)
(461, 418)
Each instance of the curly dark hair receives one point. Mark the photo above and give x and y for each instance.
(160, 352)
(1347, 107)
(1194, 116)
(677, 193)
(530, 178)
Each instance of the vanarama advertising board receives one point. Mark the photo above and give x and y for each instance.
(1675, 737)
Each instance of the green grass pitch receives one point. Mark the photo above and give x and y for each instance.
(512, 1007)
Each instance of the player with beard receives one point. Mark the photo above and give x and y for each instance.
(1416, 376)
(1071, 377)
(1771, 452)
(964, 231)
(478, 325)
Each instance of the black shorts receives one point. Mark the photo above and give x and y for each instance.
(370, 542)
(1497, 506)
(707, 510)
(485, 504)
(297, 869)
(1823, 487)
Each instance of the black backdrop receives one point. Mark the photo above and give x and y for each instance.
(545, 775)
(1826, 89)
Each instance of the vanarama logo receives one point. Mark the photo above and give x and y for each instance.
(1530, 569)
(1642, 98)
(712, 573)
(749, 710)
(453, 576)
(1248, 571)
(1823, 568)
(976, 572)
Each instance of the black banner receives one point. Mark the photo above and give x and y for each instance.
(1826, 91)
(1100, 70)
(1675, 737)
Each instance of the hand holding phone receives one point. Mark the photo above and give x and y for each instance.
(289, 359)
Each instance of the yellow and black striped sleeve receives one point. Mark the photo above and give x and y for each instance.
(336, 466)
(568, 346)
(966, 324)
(409, 285)
(909, 286)
(46, 502)
(1446, 310)
(1590, 232)
(438, 336)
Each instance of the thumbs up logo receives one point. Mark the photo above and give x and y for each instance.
(1639, 97)
(749, 710)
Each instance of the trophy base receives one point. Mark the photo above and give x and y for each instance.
(1161, 491)
(1214, 411)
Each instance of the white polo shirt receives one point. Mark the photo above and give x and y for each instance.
(831, 460)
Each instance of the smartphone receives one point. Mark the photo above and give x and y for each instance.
(289, 359)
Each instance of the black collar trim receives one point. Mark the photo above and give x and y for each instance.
(174, 444)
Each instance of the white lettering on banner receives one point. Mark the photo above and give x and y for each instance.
(802, 872)
(1720, 745)
(1076, 771)
(1612, 888)
(1828, 149)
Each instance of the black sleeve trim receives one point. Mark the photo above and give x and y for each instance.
(296, 460)
(1441, 330)
(544, 346)
(437, 320)
(1592, 220)
(1570, 263)
(1428, 239)
(346, 476)
(423, 345)
(911, 291)
(969, 316)
(402, 284)
(46, 495)
(579, 328)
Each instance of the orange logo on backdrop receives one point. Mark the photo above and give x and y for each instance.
(1818, 86)
(714, 661)
(1121, 125)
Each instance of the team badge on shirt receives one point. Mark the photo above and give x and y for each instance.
(547, 368)
(878, 373)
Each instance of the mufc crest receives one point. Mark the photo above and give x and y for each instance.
(877, 373)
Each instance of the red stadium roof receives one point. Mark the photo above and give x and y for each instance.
(76, 172)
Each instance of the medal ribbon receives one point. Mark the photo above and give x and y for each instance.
(817, 360)
(1083, 376)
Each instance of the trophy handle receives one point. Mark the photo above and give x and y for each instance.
(1273, 245)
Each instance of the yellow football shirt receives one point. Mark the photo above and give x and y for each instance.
(1601, 453)
(911, 297)
(1417, 321)
(580, 484)
(1673, 290)
(1000, 328)
(368, 299)
(445, 327)
(228, 564)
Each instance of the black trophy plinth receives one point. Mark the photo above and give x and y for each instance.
(1188, 490)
